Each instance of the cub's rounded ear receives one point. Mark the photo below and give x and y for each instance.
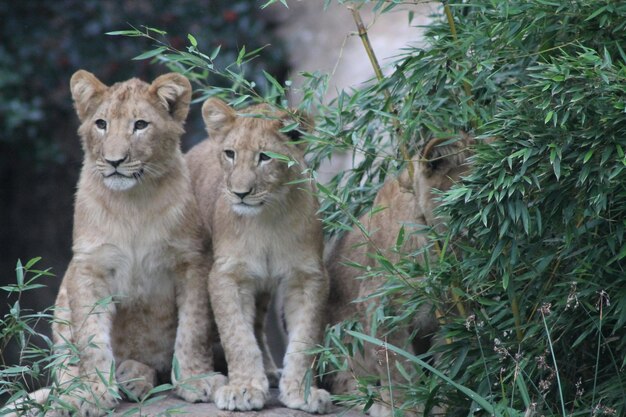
(440, 154)
(87, 93)
(305, 124)
(173, 92)
(434, 156)
(218, 116)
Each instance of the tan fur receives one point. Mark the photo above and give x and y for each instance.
(136, 240)
(267, 241)
(407, 202)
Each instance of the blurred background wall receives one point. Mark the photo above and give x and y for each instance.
(43, 42)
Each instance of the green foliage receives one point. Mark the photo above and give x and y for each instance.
(532, 294)
(208, 70)
(544, 223)
(18, 326)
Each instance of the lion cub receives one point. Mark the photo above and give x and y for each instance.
(404, 202)
(133, 295)
(265, 239)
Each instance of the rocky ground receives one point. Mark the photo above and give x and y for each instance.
(171, 405)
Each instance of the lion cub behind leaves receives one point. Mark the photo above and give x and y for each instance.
(403, 202)
(265, 238)
(133, 295)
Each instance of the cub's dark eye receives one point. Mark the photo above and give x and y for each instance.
(141, 124)
(230, 154)
(101, 124)
(264, 157)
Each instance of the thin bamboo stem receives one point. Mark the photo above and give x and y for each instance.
(362, 32)
(448, 12)
(516, 316)
(450, 17)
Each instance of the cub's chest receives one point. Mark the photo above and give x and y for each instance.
(139, 270)
(266, 254)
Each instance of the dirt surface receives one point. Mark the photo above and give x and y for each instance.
(172, 405)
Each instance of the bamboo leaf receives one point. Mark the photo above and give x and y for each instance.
(150, 54)
(192, 40)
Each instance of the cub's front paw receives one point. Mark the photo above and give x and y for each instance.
(98, 401)
(199, 389)
(88, 409)
(91, 399)
(318, 400)
(56, 412)
(135, 379)
(240, 397)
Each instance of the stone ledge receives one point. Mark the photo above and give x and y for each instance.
(172, 405)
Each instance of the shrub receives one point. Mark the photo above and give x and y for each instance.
(18, 326)
(531, 290)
